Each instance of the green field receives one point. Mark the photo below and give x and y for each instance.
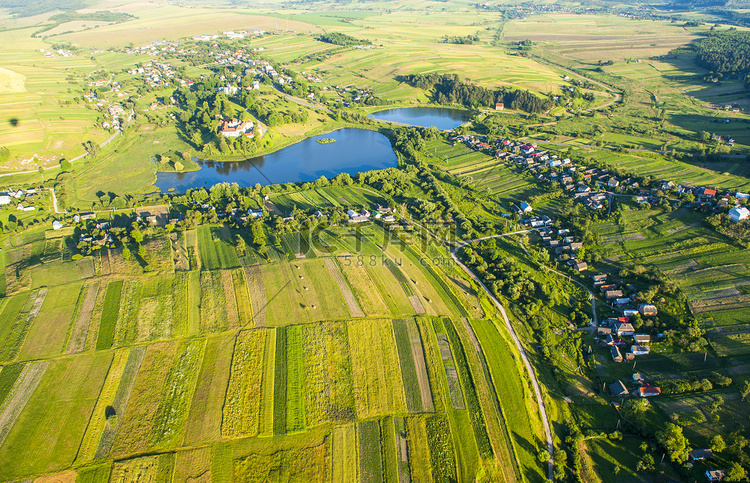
(211, 345)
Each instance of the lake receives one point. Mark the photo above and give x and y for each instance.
(440, 117)
(355, 151)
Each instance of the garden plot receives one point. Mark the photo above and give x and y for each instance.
(119, 403)
(451, 374)
(402, 450)
(49, 329)
(413, 370)
(370, 452)
(257, 291)
(378, 388)
(103, 412)
(145, 468)
(193, 465)
(363, 287)
(13, 335)
(296, 417)
(84, 309)
(242, 297)
(169, 419)
(303, 457)
(241, 411)
(418, 450)
(55, 416)
(346, 291)
(136, 427)
(328, 373)
(19, 395)
(439, 440)
(345, 454)
(156, 310)
(216, 249)
(301, 291)
(108, 321)
(267, 388)
(126, 329)
(205, 416)
(213, 306)
(233, 320)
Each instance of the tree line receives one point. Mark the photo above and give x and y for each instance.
(449, 89)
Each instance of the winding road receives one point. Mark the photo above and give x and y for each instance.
(524, 357)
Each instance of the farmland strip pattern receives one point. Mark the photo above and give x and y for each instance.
(120, 402)
(80, 330)
(22, 390)
(257, 290)
(346, 291)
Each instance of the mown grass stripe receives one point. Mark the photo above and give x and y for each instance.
(109, 316)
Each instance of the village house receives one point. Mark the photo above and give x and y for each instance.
(623, 329)
(525, 207)
(616, 355)
(647, 310)
(700, 454)
(642, 338)
(739, 214)
(640, 350)
(581, 266)
(647, 391)
(715, 475)
(618, 389)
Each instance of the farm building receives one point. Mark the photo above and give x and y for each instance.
(4, 199)
(701, 454)
(639, 378)
(647, 391)
(640, 350)
(617, 388)
(616, 355)
(623, 328)
(642, 338)
(613, 294)
(739, 214)
(715, 475)
(525, 207)
(581, 266)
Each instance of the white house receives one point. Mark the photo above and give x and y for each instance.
(525, 207)
(4, 199)
(739, 214)
(56, 225)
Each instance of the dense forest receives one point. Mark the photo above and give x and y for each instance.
(450, 90)
(338, 38)
(725, 52)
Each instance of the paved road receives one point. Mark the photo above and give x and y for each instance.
(527, 364)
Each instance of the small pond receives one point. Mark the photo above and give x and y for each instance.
(440, 117)
(354, 151)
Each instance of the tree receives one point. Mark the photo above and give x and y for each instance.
(745, 391)
(137, 236)
(126, 253)
(676, 444)
(736, 472)
(718, 444)
(239, 242)
(65, 165)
